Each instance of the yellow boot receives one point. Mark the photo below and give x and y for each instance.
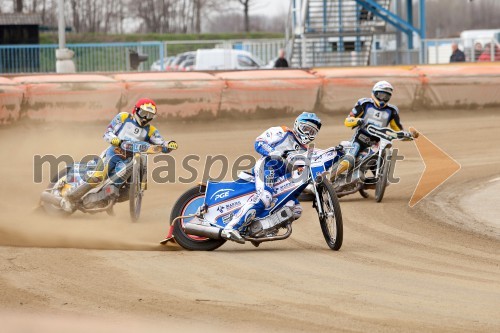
(343, 166)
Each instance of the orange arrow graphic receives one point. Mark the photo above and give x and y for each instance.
(439, 166)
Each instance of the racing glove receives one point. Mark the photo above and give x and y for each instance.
(116, 141)
(169, 146)
(407, 136)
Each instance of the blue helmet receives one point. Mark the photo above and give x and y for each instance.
(306, 127)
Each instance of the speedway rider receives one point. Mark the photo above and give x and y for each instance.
(133, 127)
(130, 127)
(274, 144)
(377, 111)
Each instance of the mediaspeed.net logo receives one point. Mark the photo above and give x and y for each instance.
(439, 167)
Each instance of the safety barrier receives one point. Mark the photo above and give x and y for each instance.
(342, 87)
(11, 97)
(460, 86)
(176, 95)
(291, 90)
(70, 97)
(205, 95)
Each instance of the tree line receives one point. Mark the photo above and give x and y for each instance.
(149, 16)
(444, 18)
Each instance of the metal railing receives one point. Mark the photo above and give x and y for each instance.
(115, 57)
(394, 57)
(95, 57)
(263, 49)
(438, 51)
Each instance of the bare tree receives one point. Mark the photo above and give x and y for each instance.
(246, 8)
(18, 6)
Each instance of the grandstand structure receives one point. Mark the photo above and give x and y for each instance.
(323, 33)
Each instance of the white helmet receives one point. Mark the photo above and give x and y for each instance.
(382, 93)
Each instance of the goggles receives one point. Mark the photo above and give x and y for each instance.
(307, 129)
(147, 112)
(382, 96)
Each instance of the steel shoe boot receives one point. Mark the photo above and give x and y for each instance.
(233, 235)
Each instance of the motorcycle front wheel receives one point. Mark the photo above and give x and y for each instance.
(188, 204)
(331, 218)
(135, 192)
(382, 179)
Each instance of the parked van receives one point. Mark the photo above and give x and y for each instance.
(225, 59)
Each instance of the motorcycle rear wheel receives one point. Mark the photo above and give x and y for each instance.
(187, 204)
(331, 221)
(135, 193)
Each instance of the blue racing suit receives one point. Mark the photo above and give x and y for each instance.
(271, 144)
(125, 127)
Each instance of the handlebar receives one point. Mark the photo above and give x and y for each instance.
(387, 133)
(141, 147)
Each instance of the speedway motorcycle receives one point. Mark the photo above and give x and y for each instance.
(372, 166)
(201, 213)
(85, 188)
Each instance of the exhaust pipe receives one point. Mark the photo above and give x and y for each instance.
(51, 198)
(203, 230)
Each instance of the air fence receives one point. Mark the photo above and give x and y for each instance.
(119, 57)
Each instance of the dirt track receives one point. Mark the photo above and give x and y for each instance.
(400, 269)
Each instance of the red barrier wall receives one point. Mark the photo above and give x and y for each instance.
(176, 94)
(342, 87)
(71, 97)
(249, 91)
(184, 95)
(462, 86)
(11, 97)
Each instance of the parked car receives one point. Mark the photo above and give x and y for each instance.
(174, 66)
(188, 64)
(156, 66)
(214, 59)
(225, 59)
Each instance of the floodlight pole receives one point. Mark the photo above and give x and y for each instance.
(64, 56)
(61, 25)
